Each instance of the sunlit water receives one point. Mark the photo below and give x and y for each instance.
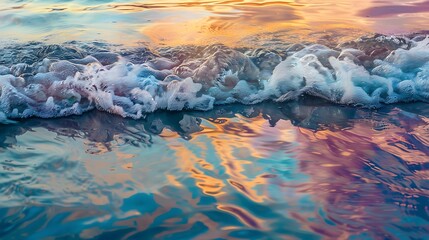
(236, 22)
(305, 130)
(292, 171)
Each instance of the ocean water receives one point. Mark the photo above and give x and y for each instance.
(209, 119)
(235, 22)
(303, 170)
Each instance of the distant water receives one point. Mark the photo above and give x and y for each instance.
(238, 119)
(306, 170)
(179, 22)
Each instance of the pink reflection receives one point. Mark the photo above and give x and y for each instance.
(350, 170)
(362, 177)
(388, 10)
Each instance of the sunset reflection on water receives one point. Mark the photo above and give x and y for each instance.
(260, 171)
(303, 169)
(236, 22)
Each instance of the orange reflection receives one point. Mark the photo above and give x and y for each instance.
(186, 161)
(239, 23)
(231, 22)
(234, 143)
(349, 172)
(242, 215)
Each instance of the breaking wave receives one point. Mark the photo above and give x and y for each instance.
(38, 80)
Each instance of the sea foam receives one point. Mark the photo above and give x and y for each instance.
(197, 78)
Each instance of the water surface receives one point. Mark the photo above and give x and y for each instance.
(306, 170)
(237, 22)
(314, 123)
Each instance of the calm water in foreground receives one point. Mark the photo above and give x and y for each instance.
(303, 169)
(306, 170)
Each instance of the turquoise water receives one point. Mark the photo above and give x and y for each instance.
(307, 170)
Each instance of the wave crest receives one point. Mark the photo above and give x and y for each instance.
(368, 72)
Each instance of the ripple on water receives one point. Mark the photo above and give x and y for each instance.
(285, 174)
(230, 22)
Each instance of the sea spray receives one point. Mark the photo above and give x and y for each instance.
(197, 78)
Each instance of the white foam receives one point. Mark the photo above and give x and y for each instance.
(401, 77)
(61, 88)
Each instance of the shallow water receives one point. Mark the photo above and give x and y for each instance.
(177, 22)
(306, 170)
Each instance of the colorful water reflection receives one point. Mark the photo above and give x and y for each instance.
(305, 170)
(235, 22)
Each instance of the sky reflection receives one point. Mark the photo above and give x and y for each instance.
(204, 22)
(232, 172)
(305, 170)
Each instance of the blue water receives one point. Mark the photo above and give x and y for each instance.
(306, 170)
